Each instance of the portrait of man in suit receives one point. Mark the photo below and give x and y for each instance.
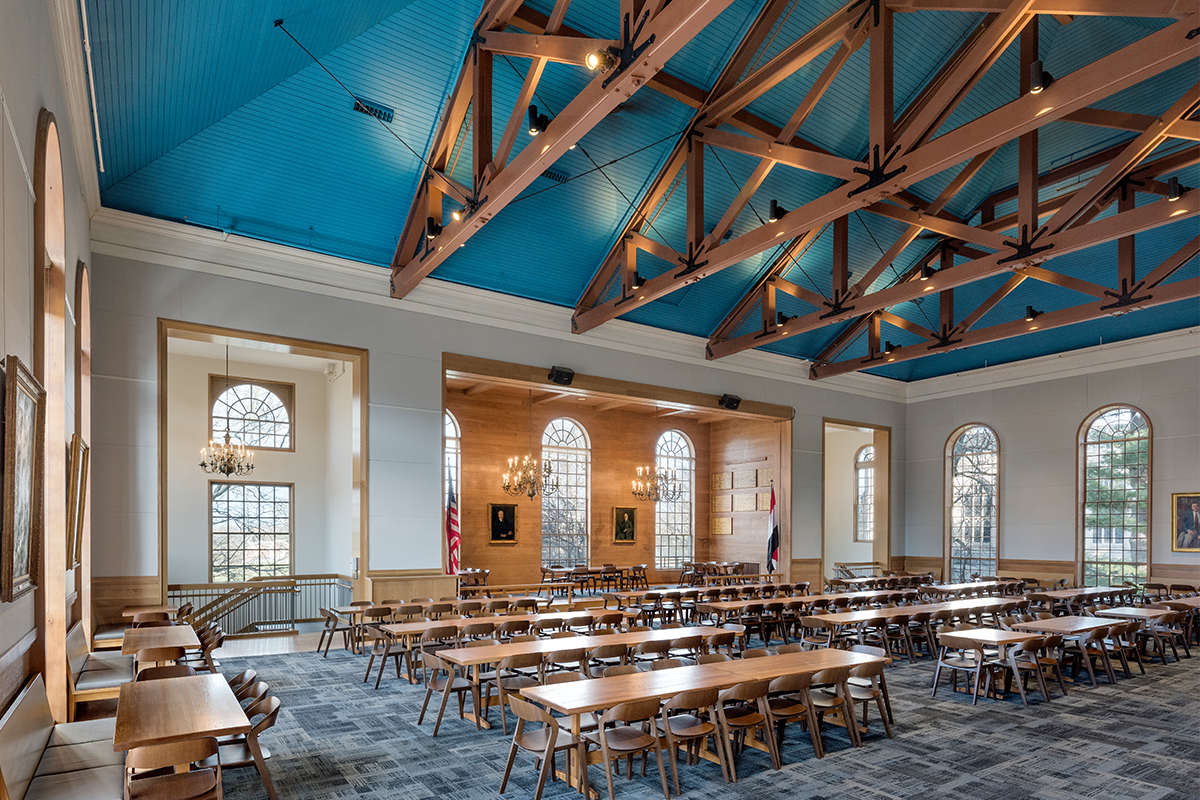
(1186, 511)
(503, 519)
(624, 524)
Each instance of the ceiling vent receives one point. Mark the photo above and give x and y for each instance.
(382, 113)
(555, 175)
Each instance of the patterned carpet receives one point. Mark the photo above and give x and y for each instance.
(337, 737)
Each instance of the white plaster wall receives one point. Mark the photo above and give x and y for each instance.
(339, 395)
(405, 396)
(29, 75)
(841, 445)
(188, 486)
(1038, 426)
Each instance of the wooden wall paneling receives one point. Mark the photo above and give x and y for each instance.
(807, 569)
(83, 425)
(1175, 573)
(747, 450)
(1032, 568)
(932, 564)
(110, 595)
(407, 584)
(495, 428)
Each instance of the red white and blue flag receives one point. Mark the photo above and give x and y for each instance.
(773, 540)
(452, 533)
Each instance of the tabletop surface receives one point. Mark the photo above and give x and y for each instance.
(469, 656)
(348, 610)
(176, 709)
(1129, 612)
(136, 639)
(1083, 591)
(872, 614)
(582, 696)
(420, 626)
(991, 636)
(958, 587)
(1190, 602)
(130, 611)
(1063, 625)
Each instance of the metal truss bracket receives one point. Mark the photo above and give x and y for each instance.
(945, 338)
(837, 306)
(627, 54)
(690, 264)
(1125, 297)
(1024, 249)
(878, 174)
(871, 5)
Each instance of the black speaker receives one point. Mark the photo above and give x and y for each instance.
(561, 375)
(730, 401)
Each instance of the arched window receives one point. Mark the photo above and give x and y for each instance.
(864, 494)
(973, 478)
(1115, 450)
(673, 525)
(565, 513)
(254, 415)
(451, 458)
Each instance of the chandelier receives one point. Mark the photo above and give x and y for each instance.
(656, 485)
(228, 458)
(523, 476)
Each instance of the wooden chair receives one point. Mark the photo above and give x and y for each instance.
(959, 655)
(742, 709)
(607, 655)
(1020, 661)
(433, 639)
(546, 743)
(249, 752)
(686, 720)
(197, 784)
(242, 678)
(620, 669)
(618, 737)
(713, 658)
(667, 663)
(651, 650)
(444, 678)
(790, 701)
(171, 671)
(333, 625)
(157, 656)
(509, 681)
(145, 617)
(1088, 648)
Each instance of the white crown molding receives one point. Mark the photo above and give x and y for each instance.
(68, 42)
(1156, 347)
(140, 238)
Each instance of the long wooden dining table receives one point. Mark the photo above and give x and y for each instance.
(137, 639)
(841, 619)
(176, 709)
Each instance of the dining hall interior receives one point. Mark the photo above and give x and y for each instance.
(618, 398)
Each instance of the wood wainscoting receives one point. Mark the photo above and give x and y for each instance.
(405, 584)
(110, 595)
(1045, 571)
(807, 569)
(16, 665)
(918, 564)
(1175, 573)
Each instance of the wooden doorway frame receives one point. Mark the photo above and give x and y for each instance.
(883, 545)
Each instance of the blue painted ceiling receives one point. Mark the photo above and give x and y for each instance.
(212, 116)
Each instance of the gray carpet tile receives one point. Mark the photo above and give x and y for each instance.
(337, 737)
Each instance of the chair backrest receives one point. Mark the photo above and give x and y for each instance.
(482, 643)
(363, 603)
(252, 691)
(566, 656)
(160, 756)
(632, 711)
(745, 692)
(172, 671)
(150, 616)
(667, 663)
(242, 678)
(620, 669)
(268, 708)
(789, 648)
(470, 607)
(797, 682)
(478, 629)
(438, 633)
(159, 654)
(513, 626)
(691, 700)
(77, 651)
(756, 652)
(528, 712)
(522, 661)
(374, 614)
(564, 677)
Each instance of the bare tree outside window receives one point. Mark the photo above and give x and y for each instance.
(565, 513)
(1116, 497)
(974, 462)
(673, 521)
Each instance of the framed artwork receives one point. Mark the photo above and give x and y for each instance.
(624, 525)
(1185, 522)
(77, 500)
(24, 436)
(502, 521)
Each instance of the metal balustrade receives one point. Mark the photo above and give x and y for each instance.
(262, 605)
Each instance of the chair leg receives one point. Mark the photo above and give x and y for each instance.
(662, 773)
(547, 766)
(512, 755)
(260, 764)
(445, 701)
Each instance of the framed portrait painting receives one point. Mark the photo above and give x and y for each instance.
(76, 500)
(24, 435)
(1185, 522)
(502, 523)
(624, 525)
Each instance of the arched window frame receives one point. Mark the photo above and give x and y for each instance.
(980, 554)
(249, 432)
(1095, 571)
(864, 494)
(675, 521)
(566, 514)
(451, 458)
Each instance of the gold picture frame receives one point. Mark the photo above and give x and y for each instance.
(24, 443)
(77, 500)
(624, 525)
(1185, 528)
(502, 523)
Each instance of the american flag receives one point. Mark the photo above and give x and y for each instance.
(773, 536)
(452, 534)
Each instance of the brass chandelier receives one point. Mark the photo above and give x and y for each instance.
(227, 458)
(524, 477)
(656, 485)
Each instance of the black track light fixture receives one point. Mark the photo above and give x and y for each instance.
(537, 122)
(432, 228)
(776, 213)
(927, 272)
(1174, 190)
(782, 319)
(1039, 79)
(636, 281)
(1031, 313)
(888, 347)
(602, 60)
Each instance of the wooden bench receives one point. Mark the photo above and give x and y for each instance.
(94, 676)
(109, 637)
(40, 760)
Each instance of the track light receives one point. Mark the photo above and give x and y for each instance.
(1173, 190)
(600, 60)
(730, 401)
(432, 228)
(782, 319)
(1031, 313)
(636, 281)
(777, 211)
(926, 272)
(888, 347)
(537, 122)
(1039, 79)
